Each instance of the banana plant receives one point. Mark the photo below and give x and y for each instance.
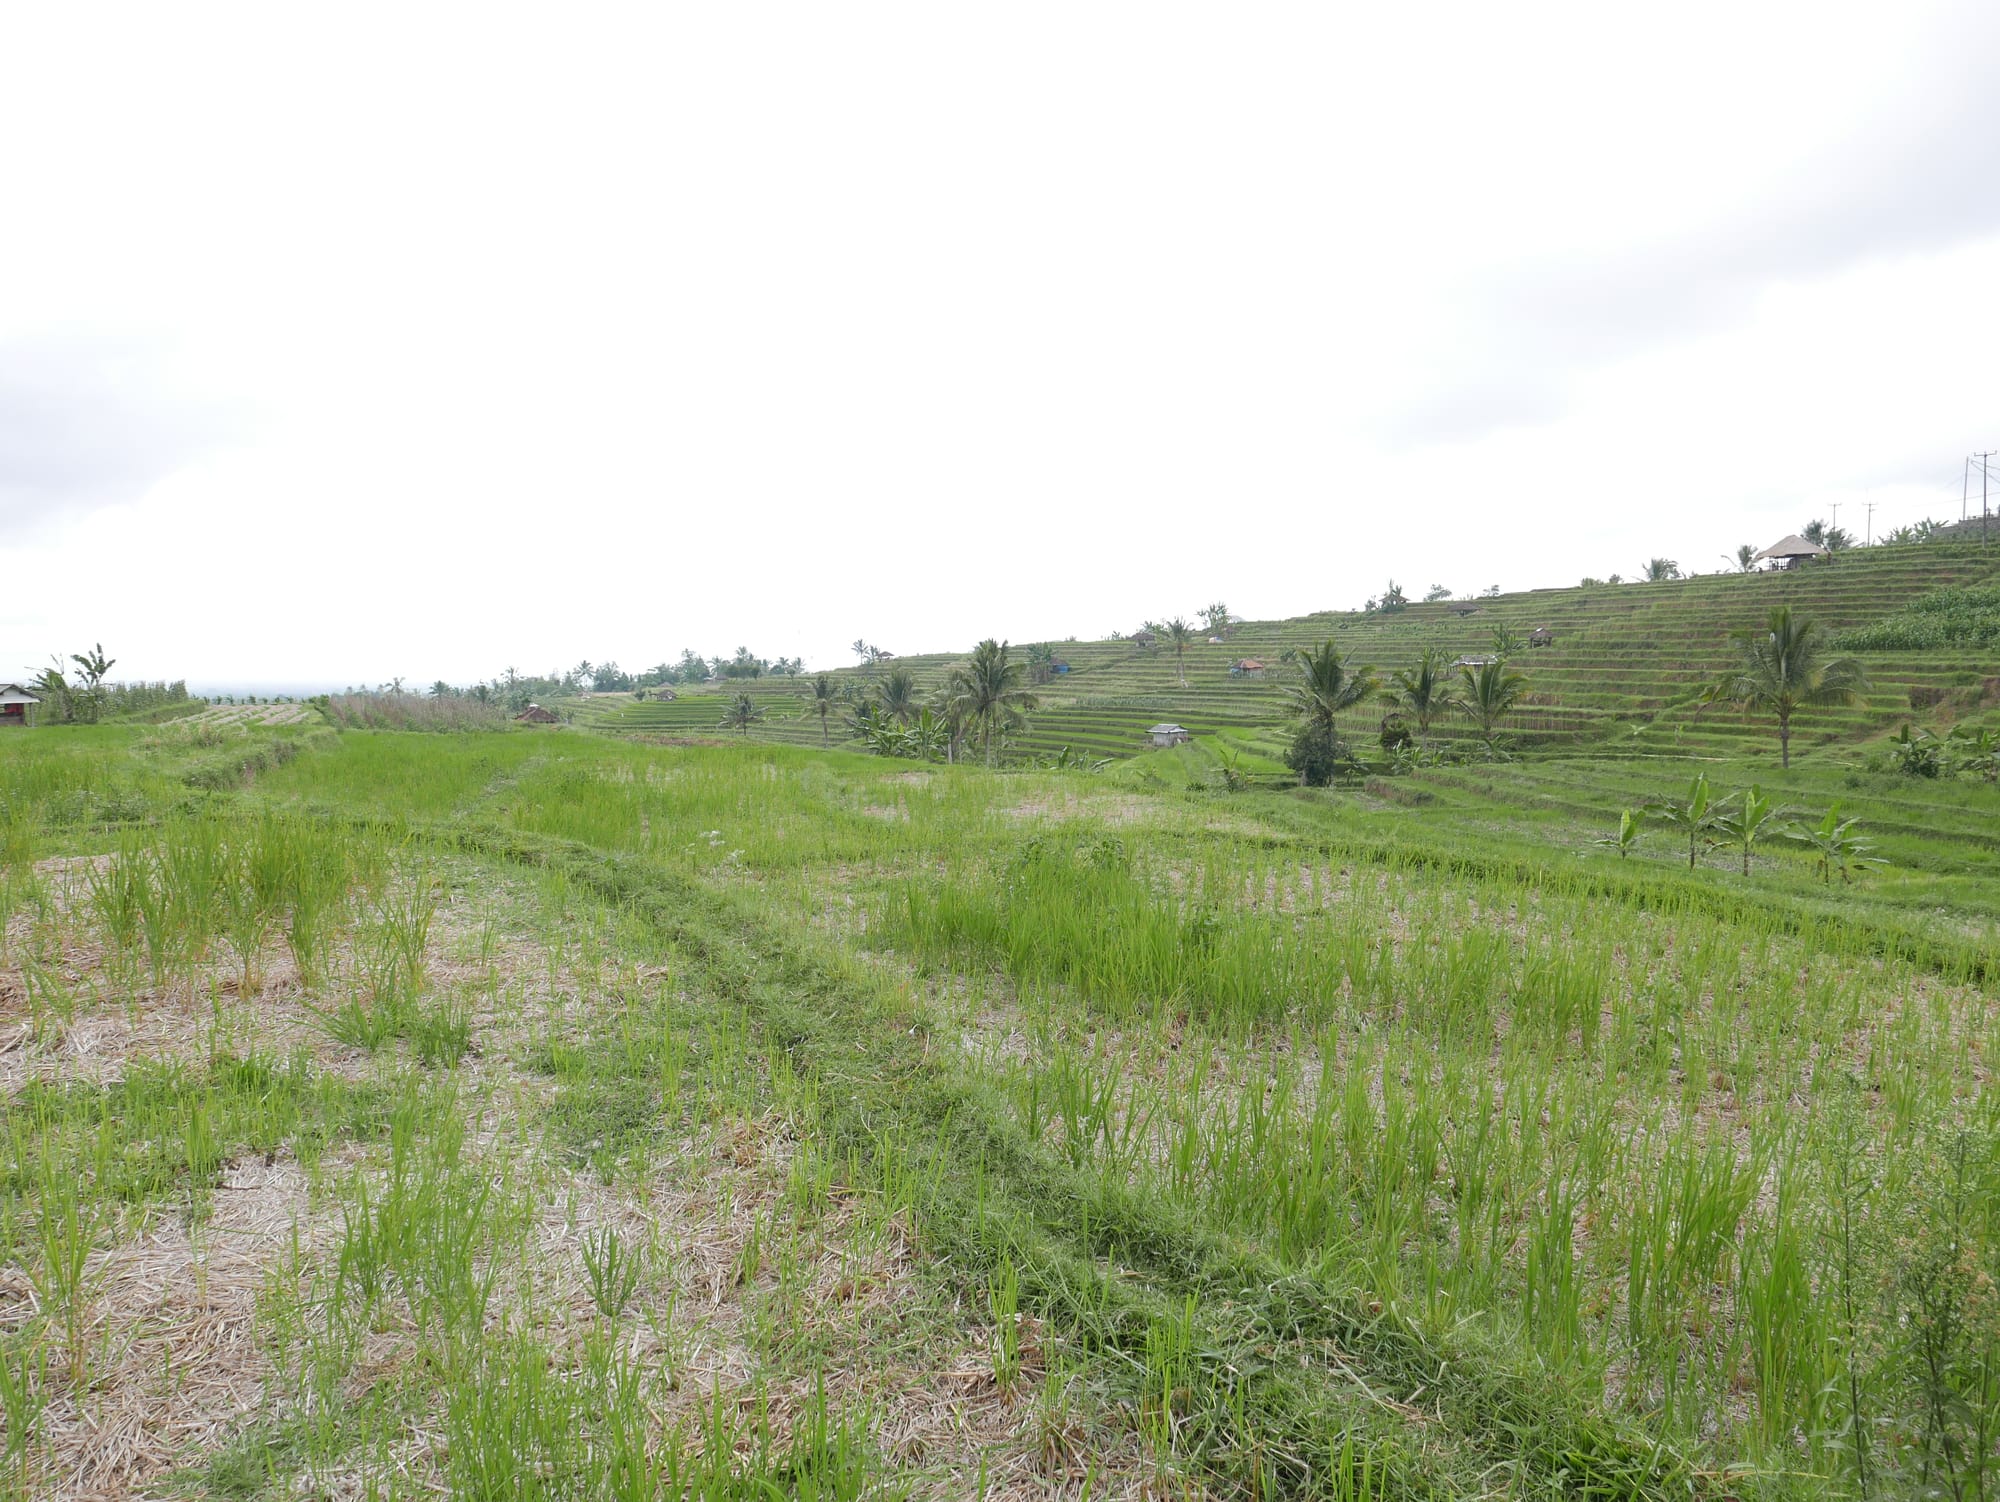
(1918, 752)
(1975, 751)
(1698, 818)
(1837, 846)
(1630, 823)
(1752, 817)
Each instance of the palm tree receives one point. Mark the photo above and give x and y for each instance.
(1178, 633)
(1659, 570)
(1491, 692)
(988, 692)
(1329, 684)
(1424, 691)
(823, 696)
(946, 711)
(741, 714)
(1745, 558)
(896, 694)
(1785, 669)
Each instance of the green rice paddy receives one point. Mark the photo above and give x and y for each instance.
(555, 1113)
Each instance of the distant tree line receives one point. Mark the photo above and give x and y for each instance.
(515, 690)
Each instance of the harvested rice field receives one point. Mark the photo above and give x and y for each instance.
(547, 1115)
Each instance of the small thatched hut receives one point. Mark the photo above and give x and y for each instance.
(1792, 551)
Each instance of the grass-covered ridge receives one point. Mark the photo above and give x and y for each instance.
(1626, 658)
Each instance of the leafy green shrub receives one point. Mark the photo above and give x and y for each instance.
(1319, 755)
(1966, 615)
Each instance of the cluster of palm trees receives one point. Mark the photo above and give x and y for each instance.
(982, 699)
(1330, 684)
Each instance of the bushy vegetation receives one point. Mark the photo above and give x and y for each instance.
(401, 711)
(1957, 616)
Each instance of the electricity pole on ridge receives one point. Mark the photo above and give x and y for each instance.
(1984, 475)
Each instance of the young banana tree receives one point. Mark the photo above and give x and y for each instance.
(1751, 818)
(1630, 822)
(1698, 818)
(1836, 845)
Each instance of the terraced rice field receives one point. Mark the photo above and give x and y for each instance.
(1626, 662)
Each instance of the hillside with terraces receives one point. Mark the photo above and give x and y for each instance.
(1620, 677)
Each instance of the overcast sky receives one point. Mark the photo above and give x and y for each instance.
(344, 343)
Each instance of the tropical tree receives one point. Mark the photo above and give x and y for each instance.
(989, 693)
(1698, 818)
(1042, 663)
(1630, 823)
(1437, 592)
(1836, 845)
(1329, 684)
(1785, 668)
(54, 690)
(1490, 692)
(896, 695)
(1215, 618)
(1746, 820)
(1660, 570)
(823, 696)
(1393, 598)
(1318, 754)
(949, 715)
(741, 714)
(1177, 633)
(1918, 752)
(1745, 558)
(1423, 692)
(1833, 539)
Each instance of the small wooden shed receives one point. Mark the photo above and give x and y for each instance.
(534, 714)
(1541, 636)
(1169, 735)
(1247, 667)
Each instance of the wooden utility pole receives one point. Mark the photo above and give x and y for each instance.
(1983, 476)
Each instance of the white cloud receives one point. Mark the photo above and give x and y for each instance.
(536, 337)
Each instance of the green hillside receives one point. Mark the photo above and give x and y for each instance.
(1625, 665)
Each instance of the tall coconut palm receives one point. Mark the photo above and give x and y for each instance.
(741, 714)
(1490, 693)
(1329, 684)
(1423, 692)
(896, 695)
(1745, 558)
(1177, 633)
(988, 690)
(1785, 668)
(823, 696)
